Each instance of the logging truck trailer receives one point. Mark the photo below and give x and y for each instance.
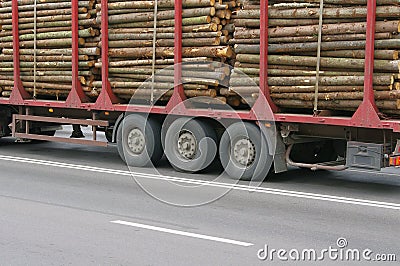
(246, 142)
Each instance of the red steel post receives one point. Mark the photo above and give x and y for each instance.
(106, 98)
(367, 112)
(369, 53)
(76, 96)
(179, 94)
(264, 97)
(264, 53)
(18, 93)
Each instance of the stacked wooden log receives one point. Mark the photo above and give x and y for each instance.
(206, 32)
(293, 43)
(51, 60)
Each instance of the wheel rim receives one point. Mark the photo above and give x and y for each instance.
(136, 141)
(244, 152)
(187, 144)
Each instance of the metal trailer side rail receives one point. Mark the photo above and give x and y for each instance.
(365, 117)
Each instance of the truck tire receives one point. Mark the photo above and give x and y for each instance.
(139, 141)
(108, 133)
(243, 152)
(190, 145)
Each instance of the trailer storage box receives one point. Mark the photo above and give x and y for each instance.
(367, 155)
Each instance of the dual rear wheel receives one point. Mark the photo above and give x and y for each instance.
(192, 145)
(139, 141)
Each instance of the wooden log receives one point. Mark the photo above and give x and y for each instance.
(40, 13)
(51, 58)
(140, 62)
(379, 54)
(296, 72)
(307, 81)
(169, 72)
(62, 51)
(30, 31)
(44, 43)
(336, 105)
(45, 6)
(328, 38)
(297, 89)
(185, 29)
(195, 42)
(48, 24)
(328, 29)
(57, 73)
(313, 46)
(328, 62)
(47, 64)
(28, 20)
(161, 15)
(149, 36)
(162, 4)
(214, 52)
(158, 92)
(328, 13)
(165, 23)
(343, 2)
(334, 96)
(51, 35)
(38, 84)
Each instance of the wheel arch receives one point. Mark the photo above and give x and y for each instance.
(116, 126)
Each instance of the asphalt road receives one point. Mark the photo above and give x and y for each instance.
(70, 204)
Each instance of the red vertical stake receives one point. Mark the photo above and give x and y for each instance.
(104, 41)
(264, 97)
(367, 112)
(76, 96)
(106, 98)
(18, 93)
(179, 94)
(369, 53)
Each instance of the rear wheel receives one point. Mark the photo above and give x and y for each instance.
(243, 152)
(139, 141)
(190, 145)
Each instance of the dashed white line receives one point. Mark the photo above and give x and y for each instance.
(183, 233)
(282, 192)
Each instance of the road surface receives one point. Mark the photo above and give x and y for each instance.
(70, 204)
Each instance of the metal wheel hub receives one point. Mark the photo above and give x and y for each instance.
(244, 152)
(136, 141)
(187, 145)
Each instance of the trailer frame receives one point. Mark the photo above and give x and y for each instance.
(366, 116)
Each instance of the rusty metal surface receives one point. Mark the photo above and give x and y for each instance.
(60, 139)
(101, 123)
(313, 167)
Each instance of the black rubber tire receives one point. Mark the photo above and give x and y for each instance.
(50, 133)
(108, 134)
(313, 152)
(262, 163)
(151, 129)
(207, 146)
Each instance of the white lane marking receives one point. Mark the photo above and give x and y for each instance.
(183, 233)
(282, 192)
